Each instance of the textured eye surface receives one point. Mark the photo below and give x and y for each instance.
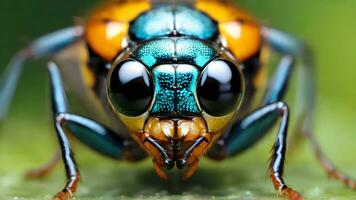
(220, 88)
(130, 88)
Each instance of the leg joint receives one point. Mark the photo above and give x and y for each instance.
(282, 107)
(61, 117)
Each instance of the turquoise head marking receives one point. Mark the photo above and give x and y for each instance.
(175, 65)
(176, 78)
(175, 88)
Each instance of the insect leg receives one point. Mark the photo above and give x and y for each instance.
(255, 124)
(279, 148)
(60, 106)
(88, 131)
(285, 44)
(45, 169)
(250, 129)
(275, 93)
(44, 46)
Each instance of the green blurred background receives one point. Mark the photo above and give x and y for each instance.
(27, 137)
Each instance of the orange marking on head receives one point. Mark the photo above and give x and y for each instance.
(176, 138)
(159, 129)
(107, 27)
(105, 38)
(222, 11)
(243, 39)
(239, 31)
(119, 10)
(190, 130)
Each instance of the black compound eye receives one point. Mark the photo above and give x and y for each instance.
(130, 88)
(220, 88)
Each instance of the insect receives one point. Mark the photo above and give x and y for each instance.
(172, 80)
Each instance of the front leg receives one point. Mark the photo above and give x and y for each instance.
(279, 148)
(250, 128)
(91, 133)
(70, 164)
(287, 45)
(59, 106)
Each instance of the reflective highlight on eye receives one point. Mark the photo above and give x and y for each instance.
(130, 88)
(221, 88)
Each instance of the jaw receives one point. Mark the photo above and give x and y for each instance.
(177, 143)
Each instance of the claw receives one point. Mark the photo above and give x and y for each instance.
(291, 194)
(69, 190)
(66, 194)
(283, 189)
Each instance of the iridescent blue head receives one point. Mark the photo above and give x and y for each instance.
(175, 78)
(175, 92)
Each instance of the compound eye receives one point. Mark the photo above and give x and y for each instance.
(220, 88)
(130, 88)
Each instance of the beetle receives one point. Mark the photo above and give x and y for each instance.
(172, 80)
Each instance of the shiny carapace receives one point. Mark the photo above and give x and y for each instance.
(176, 88)
(176, 76)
